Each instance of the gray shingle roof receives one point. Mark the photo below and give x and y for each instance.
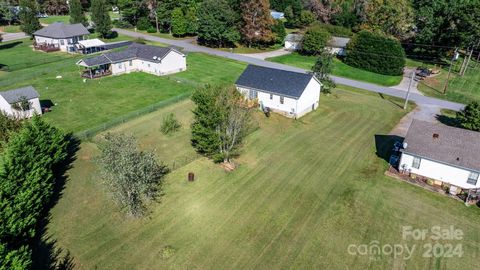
(338, 42)
(61, 30)
(14, 95)
(294, 37)
(276, 81)
(453, 146)
(135, 50)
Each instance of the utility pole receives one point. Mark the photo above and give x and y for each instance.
(449, 71)
(468, 61)
(408, 91)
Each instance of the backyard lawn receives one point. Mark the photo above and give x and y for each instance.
(83, 105)
(339, 69)
(303, 192)
(10, 28)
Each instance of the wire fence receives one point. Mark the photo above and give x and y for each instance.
(89, 133)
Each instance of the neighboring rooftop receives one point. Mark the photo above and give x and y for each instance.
(134, 51)
(294, 37)
(14, 95)
(338, 42)
(277, 81)
(438, 142)
(62, 30)
(277, 15)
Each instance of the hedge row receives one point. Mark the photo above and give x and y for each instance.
(30, 160)
(375, 52)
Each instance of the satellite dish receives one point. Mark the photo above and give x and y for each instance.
(405, 145)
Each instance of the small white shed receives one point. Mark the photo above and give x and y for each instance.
(293, 42)
(11, 102)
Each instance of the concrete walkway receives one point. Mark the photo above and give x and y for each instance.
(266, 55)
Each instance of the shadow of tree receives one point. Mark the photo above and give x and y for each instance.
(45, 253)
(384, 145)
(10, 45)
(448, 120)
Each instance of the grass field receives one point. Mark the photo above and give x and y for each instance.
(303, 192)
(10, 28)
(339, 69)
(81, 105)
(460, 89)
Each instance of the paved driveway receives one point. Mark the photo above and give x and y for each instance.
(266, 55)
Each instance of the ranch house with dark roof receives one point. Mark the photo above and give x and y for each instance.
(289, 93)
(447, 155)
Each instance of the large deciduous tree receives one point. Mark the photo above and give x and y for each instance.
(55, 7)
(393, 17)
(217, 24)
(100, 17)
(28, 16)
(469, 117)
(447, 22)
(257, 22)
(76, 13)
(221, 121)
(133, 177)
(314, 41)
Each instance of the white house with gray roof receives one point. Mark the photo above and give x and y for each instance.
(137, 57)
(10, 102)
(61, 36)
(289, 93)
(447, 155)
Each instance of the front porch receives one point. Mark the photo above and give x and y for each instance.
(96, 72)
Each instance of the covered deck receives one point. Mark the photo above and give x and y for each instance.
(95, 67)
(96, 72)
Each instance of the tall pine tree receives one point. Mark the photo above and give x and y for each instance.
(257, 22)
(76, 13)
(28, 16)
(100, 18)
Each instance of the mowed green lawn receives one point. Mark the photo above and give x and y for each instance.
(460, 89)
(82, 105)
(339, 69)
(302, 193)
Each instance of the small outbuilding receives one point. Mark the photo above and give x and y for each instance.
(447, 155)
(293, 42)
(21, 102)
(137, 57)
(292, 94)
(337, 45)
(59, 36)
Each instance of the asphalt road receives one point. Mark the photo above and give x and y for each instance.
(13, 36)
(188, 46)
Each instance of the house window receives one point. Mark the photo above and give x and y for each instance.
(148, 65)
(416, 162)
(62, 42)
(252, 94)
(472, 178)
(130, 63)
(119, 65)
(271, 96)
(281, 100)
